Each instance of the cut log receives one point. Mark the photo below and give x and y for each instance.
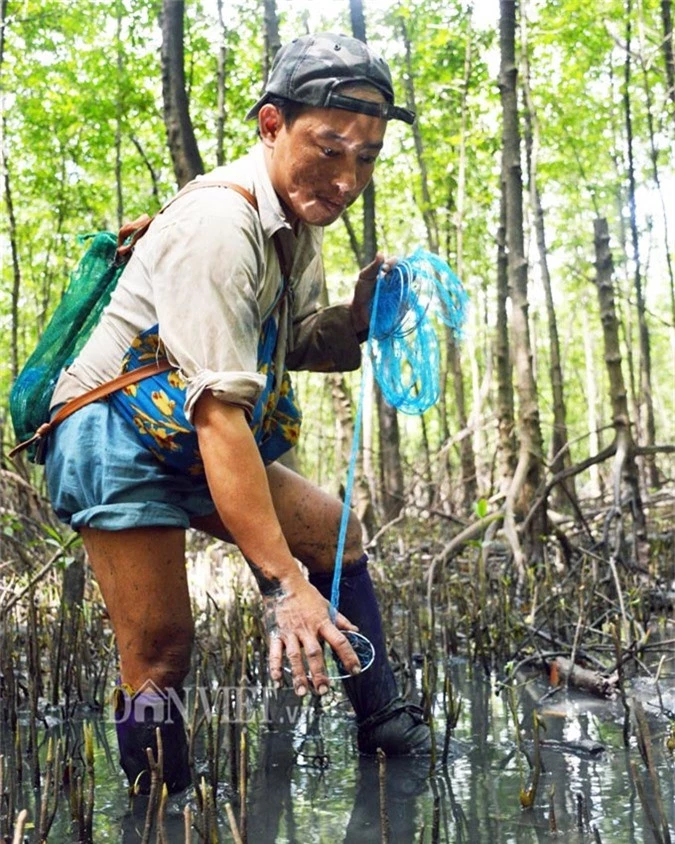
(563, 670)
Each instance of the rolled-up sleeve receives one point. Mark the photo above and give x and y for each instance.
(323, 338)
(205, 276)
(325, 341)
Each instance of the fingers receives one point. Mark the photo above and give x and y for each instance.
(313, 655)
(370, 271)
(313, 662)
(317, 667)
(298, 675)
(372, 268)
(275, 659)
(340, 644)
(380, 262)
(298, 623)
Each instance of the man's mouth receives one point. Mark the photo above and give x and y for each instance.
(338, 207)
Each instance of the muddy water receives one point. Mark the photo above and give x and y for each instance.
(306, 783)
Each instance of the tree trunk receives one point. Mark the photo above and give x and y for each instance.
(560, 456)
(625, 460)
(272, 38)
(119, 114)
(504, 367)
(358, 19)
(466, 452)
(369, 231)
(9, 204)
(3, 24)
(50, 267)
(426, 204)
(221, 88)
(667, 47)
(646, 398)
(591, 402)
(187, 162)
(368, 446)
(154, 178)
(354, 243)
(527, 477)
(14, 251)
(476, 423)
(391, 472)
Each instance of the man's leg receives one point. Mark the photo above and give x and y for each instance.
(310, 519)
(141, 574)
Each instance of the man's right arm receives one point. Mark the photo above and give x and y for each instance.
(296, 614)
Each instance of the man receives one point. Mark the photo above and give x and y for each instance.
(224, 286)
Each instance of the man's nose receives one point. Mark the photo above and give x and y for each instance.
(346, 179)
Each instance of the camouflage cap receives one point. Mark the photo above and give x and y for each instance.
(312, 69)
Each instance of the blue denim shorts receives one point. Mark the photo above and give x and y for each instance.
(100, 475)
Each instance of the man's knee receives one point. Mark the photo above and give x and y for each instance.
(163, 655)
(353, 539)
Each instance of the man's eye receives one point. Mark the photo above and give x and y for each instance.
(368, 159)
(329, 152)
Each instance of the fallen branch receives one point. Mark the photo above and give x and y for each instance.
(561, 645)
(564, 670)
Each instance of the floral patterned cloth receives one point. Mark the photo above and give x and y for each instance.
(155, 405)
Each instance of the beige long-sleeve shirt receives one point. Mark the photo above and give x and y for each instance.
(207, 273)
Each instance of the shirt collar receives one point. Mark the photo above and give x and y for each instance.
(271, 213)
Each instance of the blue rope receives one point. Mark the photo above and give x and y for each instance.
(404, 350)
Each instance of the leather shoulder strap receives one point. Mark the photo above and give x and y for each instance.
(252, 201)
(198, 184)
(136, 229)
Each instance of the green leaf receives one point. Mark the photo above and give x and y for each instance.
(481, 508)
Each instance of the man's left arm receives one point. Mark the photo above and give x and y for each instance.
(328, 340)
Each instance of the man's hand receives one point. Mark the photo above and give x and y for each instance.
(296, 620)
(365, 287)
(296, 614)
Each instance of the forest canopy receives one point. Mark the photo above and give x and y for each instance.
(84, 147)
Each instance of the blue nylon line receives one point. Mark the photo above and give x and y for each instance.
(346, 507)
(404, 353)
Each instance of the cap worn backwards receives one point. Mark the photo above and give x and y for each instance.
(312, 70)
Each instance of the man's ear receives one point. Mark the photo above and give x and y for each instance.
(270, 121)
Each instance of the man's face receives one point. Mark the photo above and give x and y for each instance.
(322, 163)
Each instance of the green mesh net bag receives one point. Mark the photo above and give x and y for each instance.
(91, 285)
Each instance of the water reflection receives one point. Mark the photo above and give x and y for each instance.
(307, 784)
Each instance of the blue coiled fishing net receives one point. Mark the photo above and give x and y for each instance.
(402, 341)
(405, 355)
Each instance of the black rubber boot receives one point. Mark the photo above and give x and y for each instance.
(399, 729)
(137, 717)
(385, 720)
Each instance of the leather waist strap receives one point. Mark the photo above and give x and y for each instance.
(100, 392)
